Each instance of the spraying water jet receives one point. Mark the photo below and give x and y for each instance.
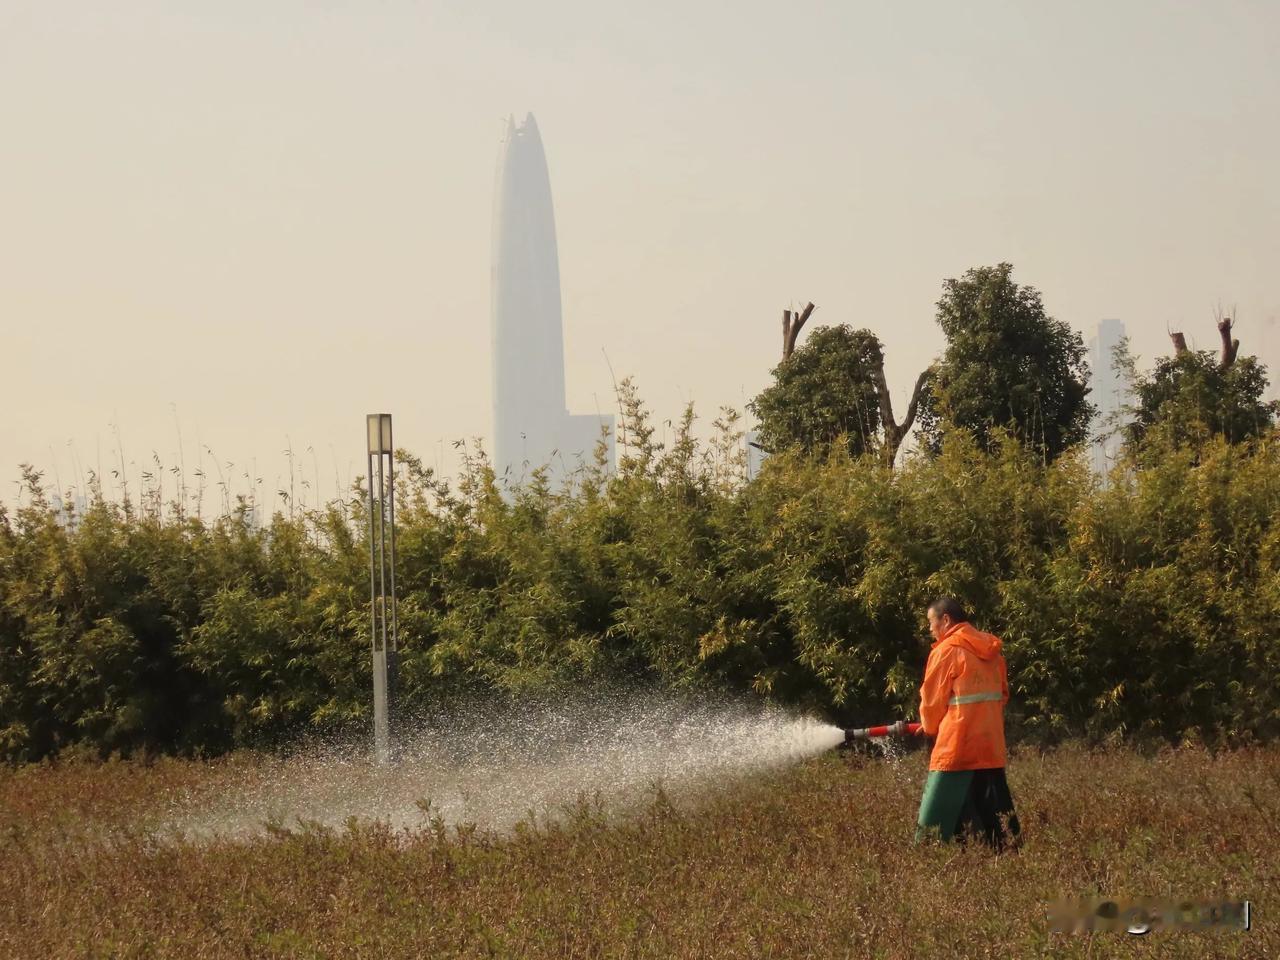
(493, 762)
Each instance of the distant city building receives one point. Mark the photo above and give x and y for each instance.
(531, 423)
(755, 456)
(1108, 392)
(254, 517)
(68, 511)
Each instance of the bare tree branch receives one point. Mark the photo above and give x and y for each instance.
(895, 432)
(914, 405)
(1230, 347)
(791, 329)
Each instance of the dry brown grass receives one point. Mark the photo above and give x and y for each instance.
(816, 861)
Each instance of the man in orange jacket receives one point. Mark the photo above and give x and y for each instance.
(962, 705)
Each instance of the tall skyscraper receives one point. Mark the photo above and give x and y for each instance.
(755, 455)
(531, 423)
(1108, 392)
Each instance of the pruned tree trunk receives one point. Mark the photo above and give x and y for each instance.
(791, 329)
(894, 432)
(1230, 346)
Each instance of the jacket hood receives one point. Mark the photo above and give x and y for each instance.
(982, 645)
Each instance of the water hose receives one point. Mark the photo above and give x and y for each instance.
(900, 729)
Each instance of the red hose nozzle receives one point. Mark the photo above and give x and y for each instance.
(900, 729)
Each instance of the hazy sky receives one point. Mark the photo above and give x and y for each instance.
(254, 222)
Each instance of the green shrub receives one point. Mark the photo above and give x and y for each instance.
(1150, 607)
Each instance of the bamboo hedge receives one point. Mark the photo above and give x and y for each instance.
(1145, 607)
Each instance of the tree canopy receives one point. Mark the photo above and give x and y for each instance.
(1007, 364)
(1194, 394)
(824, 390)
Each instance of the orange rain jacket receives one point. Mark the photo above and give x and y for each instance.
(962, 700)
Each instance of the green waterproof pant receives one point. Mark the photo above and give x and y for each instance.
(957, 803)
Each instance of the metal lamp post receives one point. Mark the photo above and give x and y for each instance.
(382, 577)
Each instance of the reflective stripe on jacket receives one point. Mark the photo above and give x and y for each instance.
(962, 700)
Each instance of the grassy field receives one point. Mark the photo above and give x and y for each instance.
(813, 861)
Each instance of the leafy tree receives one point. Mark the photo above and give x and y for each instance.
(824, 390)
(1007, 364)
